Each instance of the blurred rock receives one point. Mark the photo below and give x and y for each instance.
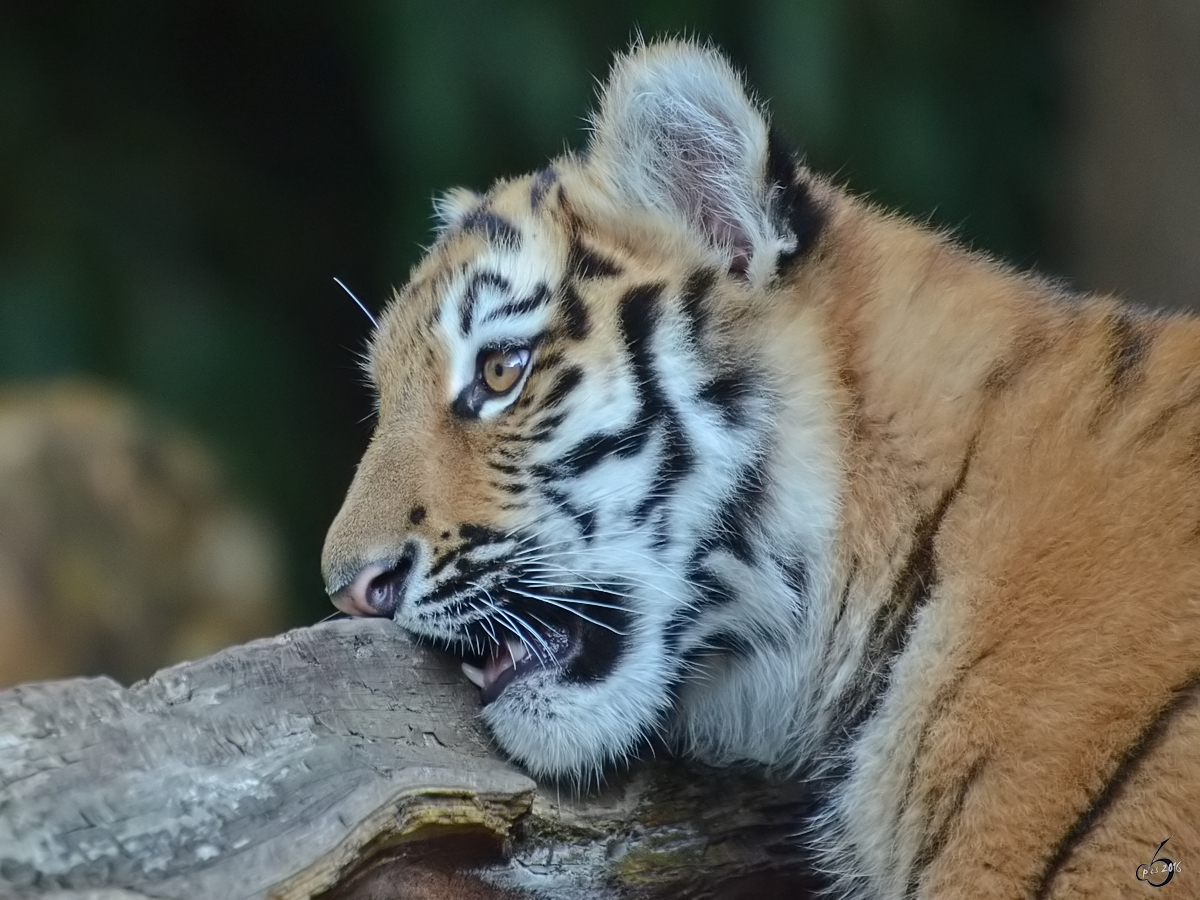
(121, 549)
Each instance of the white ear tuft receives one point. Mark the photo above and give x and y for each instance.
(676, 132)
(453, 206)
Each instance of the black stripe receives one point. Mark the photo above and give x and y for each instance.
(1188, 692)
(676, 462)
(471, 296)
(730, 394)
(844, 597)
(495, 228)
(533, 302)
(467, 575)
(692, 301)
(934, 712)
(639, 315)
(1025, 349)
(1129, 344)
(933, 842)
(739, 513)
(794, 208)
(585, 519)
(447, 560)
(566, 382)
(592, 451)
(575, 315)
(728, 643)
(585, 262)
(712, 589)
(474, 535)
(542, 182)
(796, 576)
(601, 648)
(914, 584)
(462, 572)
(709, 591)
(546, 426)
(639, 318)
(1160, 424)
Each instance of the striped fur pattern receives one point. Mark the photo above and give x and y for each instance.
(786, 480)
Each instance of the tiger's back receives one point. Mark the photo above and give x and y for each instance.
(675, 437)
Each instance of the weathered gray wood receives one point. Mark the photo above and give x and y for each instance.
(324, 757)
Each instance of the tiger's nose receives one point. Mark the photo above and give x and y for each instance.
(377, 588)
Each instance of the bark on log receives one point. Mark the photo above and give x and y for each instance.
(342, 761)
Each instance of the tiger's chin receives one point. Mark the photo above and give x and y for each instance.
(569, 703)
(557, 730)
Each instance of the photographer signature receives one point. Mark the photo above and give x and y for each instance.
(1159, 870)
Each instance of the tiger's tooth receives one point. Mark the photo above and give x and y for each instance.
(474, 675)
(516, 650)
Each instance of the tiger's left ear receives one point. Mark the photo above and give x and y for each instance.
(677, 133)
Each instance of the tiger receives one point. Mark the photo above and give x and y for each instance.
(681, 443)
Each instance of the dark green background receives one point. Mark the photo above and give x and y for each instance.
(180, 181)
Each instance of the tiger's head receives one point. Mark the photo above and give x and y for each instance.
(569, 482)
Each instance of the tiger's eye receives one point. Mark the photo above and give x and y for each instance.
(501, 369)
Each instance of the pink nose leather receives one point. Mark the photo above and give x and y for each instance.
(354, 598)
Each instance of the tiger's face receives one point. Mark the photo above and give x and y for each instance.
(573, 438)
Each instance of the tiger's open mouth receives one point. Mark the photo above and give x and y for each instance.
(579, 639)
(513, 658)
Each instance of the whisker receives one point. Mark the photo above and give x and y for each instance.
(552, 601)
(575, 601)
(515, 623)
(339, 283)
(487, 626)
(547, 568)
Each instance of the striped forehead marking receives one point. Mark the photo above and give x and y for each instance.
(504, 297)
(493, 227)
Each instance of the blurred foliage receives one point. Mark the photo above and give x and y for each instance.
(179, 182)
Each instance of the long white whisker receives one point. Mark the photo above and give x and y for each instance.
(514, 622)
(339, 283)
(575, 601)
(487, 626)
(551, 601)
(547, 569)
(575, 546)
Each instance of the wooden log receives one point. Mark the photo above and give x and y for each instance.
(343, 759)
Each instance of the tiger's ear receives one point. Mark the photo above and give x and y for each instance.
(676, 132)
(450, 208)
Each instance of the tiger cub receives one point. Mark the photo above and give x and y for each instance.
(676, 437)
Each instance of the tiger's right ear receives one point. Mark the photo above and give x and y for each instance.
(677, 133)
